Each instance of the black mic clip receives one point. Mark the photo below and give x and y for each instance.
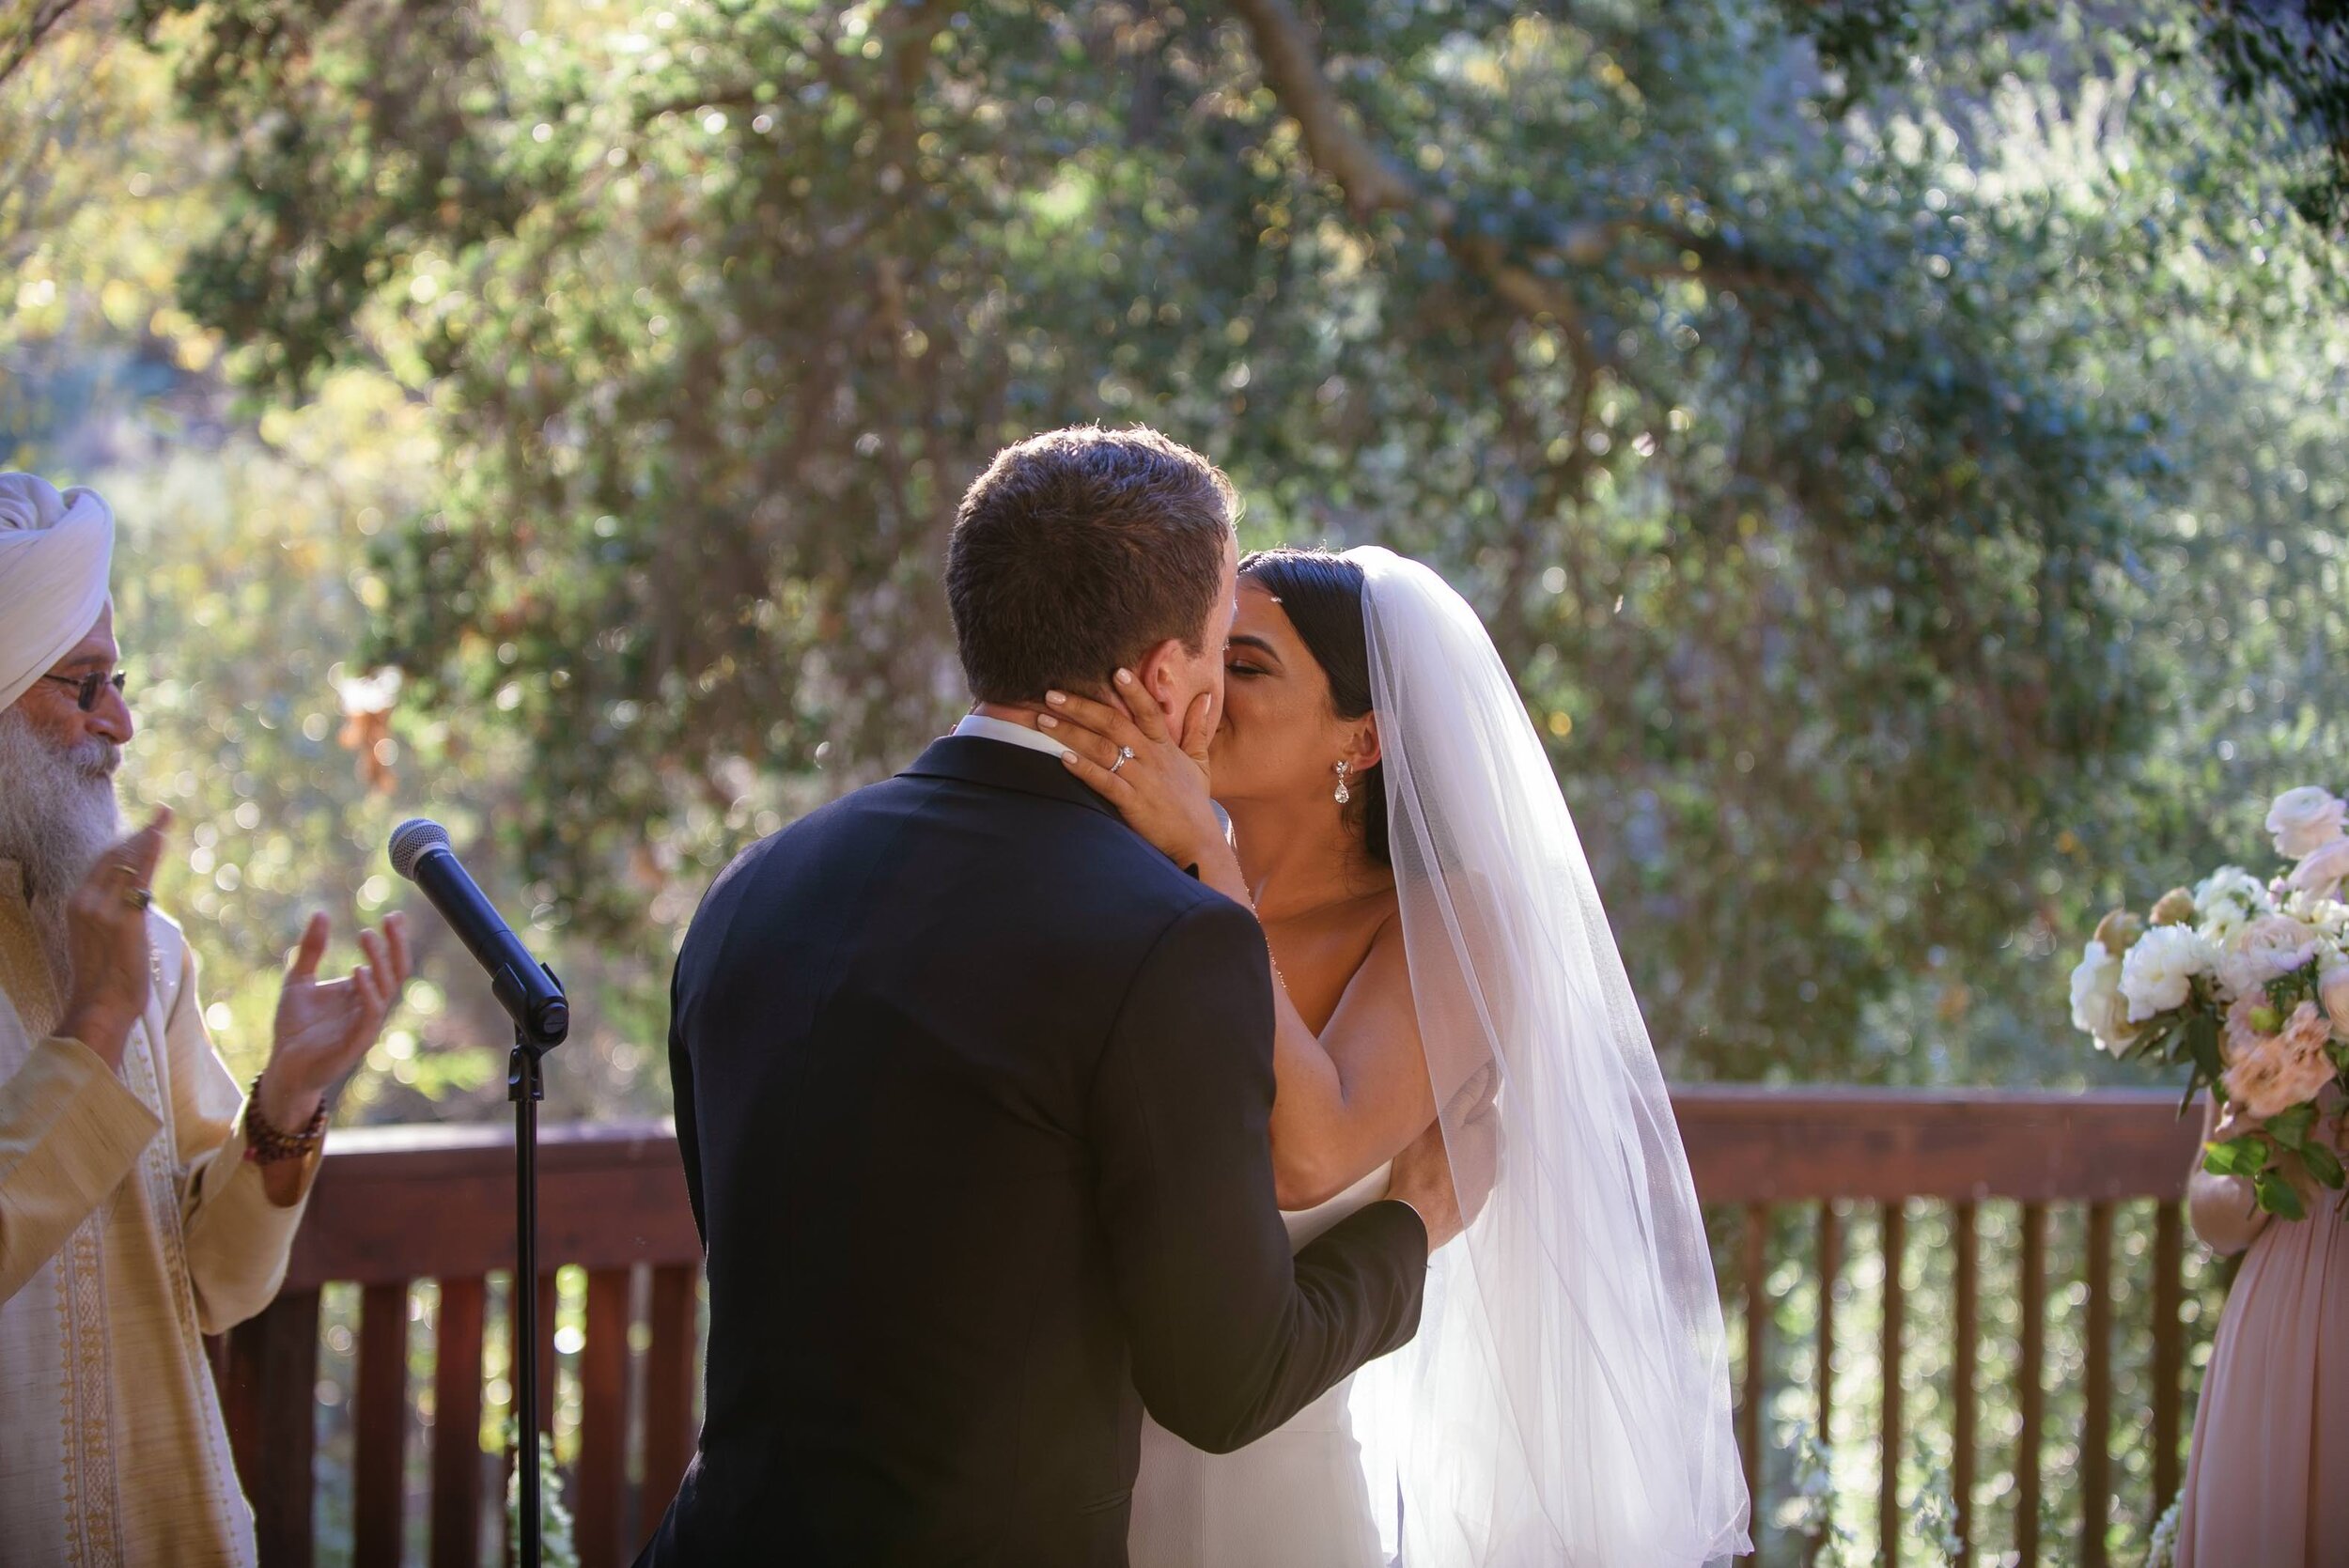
(523, 1079)
(549, 1023)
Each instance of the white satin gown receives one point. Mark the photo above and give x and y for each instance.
(1302, 1496)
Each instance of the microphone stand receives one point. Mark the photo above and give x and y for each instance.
(525, 1085)
(532, 996)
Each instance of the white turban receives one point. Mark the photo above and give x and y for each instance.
(56, 553)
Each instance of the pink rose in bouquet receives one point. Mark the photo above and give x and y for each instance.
(2269, 1074)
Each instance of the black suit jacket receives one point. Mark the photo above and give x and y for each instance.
(973, 1087)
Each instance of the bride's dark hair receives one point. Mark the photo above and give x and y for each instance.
(1322, 593)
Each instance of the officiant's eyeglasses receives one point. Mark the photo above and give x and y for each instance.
(89, 689)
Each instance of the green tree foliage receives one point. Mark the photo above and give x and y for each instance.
(2283, 64)
(240, 596)
(2294, 55)
(1795, 442)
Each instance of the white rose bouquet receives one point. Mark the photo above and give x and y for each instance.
(2246, 985)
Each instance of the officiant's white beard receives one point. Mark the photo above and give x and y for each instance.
(57, 814)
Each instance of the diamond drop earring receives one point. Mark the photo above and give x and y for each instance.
(1344, 794)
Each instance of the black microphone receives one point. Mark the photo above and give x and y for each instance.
(527, 989)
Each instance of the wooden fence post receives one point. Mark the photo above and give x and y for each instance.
(270, 1401)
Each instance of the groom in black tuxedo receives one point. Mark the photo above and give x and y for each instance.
(973, 1087)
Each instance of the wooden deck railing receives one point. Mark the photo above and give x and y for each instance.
(1789, 1179)
(396, 1206)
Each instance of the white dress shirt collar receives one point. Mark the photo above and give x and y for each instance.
(986, 729)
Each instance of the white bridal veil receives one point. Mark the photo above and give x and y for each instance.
(1566, 1401)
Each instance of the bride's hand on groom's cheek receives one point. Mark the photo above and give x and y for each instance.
(1122, 751)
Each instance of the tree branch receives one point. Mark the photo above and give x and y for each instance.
(45, 16)
(1292, 66)
(1373, 183)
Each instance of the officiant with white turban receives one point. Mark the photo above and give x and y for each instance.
(145, 1199)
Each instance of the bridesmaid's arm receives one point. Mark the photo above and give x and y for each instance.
(2221, 1208)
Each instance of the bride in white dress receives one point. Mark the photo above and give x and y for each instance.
(1439, 954)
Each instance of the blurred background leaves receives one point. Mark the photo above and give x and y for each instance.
(1893, 445)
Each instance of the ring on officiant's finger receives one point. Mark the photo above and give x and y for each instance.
(1125, 756)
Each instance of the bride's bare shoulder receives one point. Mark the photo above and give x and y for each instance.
(1382, 972)
(1386, 919)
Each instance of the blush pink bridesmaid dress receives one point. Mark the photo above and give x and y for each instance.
(2267, 1480)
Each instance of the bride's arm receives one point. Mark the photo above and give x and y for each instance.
(1348, 1099)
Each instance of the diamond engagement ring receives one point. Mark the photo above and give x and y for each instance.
(138, 897)
(1125, 756)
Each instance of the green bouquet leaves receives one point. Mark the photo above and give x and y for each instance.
(2277, 1195)
(2291, 1127)
(2322, 1164)
(2237, 1156)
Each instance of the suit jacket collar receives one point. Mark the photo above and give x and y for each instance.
(974, 759)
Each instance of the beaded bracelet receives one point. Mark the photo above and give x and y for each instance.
(265, 1144)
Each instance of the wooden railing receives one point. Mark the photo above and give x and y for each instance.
(1884, 1156)
(1791, 1180)
(395, 1206)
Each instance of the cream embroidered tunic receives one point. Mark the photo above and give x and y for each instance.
(131, 1226)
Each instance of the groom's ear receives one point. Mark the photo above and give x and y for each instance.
(1161, 675)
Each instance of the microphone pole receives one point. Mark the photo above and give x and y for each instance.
(533, 998)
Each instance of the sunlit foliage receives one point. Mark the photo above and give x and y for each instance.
(1895, 473)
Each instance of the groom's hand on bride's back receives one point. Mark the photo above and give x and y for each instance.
(1448, 1186)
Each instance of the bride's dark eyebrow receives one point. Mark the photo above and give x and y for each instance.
(1256, 643)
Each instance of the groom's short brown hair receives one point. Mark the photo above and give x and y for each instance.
(1079, 551)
